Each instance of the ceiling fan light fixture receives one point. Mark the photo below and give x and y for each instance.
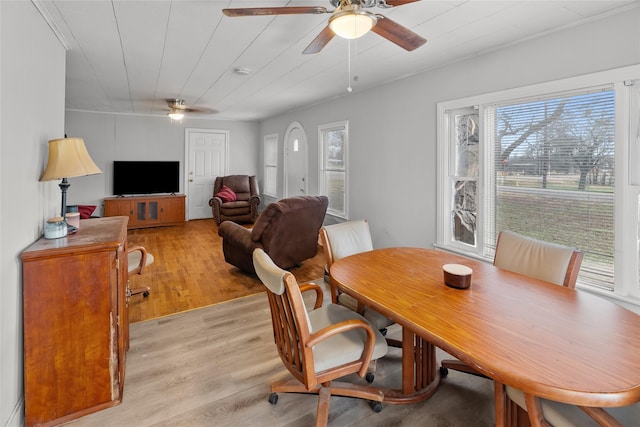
(352, 24)
(176, 115)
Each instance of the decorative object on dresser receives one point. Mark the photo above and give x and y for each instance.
(235, 198)
(148, 211)
(287, 230)
(68, 157)
(76, 327)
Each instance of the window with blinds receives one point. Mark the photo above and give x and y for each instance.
(557, 161)
(551, 173)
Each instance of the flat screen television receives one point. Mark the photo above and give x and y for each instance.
(145, 177)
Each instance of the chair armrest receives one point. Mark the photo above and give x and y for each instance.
(344, 326)
(319, 293)
(254, 203)
(237, 235)
(534, 409)
(601, 416)
(215, 201)
(143, 258)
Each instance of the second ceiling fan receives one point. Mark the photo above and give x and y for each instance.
(349, 20)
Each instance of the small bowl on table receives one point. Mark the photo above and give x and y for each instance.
(457, 276)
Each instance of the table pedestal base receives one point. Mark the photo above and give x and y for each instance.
(419, 368)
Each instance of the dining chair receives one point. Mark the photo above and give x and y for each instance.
(137, 260)
(339, 241)
(319, 346)
(548, 413)
(530, 257)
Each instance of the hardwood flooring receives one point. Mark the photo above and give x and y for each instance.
(189, 271)
(213, 367)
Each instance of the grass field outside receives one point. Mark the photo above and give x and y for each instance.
(582, 219)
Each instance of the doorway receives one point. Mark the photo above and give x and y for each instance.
(295, 161)
(206, 158)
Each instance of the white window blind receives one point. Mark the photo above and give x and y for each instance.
(552, 176)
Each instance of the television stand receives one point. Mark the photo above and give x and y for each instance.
(148, 211)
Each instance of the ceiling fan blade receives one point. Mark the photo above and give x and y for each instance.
(396, 3)
(200, 110)
(320, 41)
(261, 11)
(396, 33)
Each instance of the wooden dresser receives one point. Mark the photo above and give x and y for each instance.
(76, 329)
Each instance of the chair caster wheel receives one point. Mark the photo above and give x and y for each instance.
(273, 398)
(443, 372)
(376, 406)
(369, 377)
(145, 294)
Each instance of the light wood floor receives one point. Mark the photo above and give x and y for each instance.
(189, 271)
(213, 367)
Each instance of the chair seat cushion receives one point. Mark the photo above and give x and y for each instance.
(563, 415)
(236, 204)
(377, 320)
(134, 257)
(232, 209)
(342, 348)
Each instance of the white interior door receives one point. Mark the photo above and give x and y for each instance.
(206, 154)
(295, 161)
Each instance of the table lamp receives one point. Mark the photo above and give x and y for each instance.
(68, 157)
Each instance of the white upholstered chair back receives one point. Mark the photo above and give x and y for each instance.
(538, 259)
(347, 238)
(273, 277)
(340, 241)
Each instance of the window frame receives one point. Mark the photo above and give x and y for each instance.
(270, 140)
(625, 82)
(324, 169)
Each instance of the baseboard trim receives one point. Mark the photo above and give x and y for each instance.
(16, 419)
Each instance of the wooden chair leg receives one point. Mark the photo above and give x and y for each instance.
(355, 390)
(143, 290)
(322, 413)
(292, 386)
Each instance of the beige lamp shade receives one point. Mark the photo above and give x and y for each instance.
(68, 157)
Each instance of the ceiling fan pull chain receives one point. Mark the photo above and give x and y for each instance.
(349, 89)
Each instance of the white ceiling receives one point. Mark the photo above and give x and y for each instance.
(128, 56)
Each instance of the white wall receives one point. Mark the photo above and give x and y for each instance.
(32, 112)
(110, 137)
(392, 129)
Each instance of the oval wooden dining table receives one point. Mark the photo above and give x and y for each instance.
(547, 340)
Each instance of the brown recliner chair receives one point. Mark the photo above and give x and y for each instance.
(245, 208)
(286, 230)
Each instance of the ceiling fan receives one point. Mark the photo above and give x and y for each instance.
(178, 109)
(348, 20)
